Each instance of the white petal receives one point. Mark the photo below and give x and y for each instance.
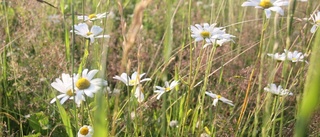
(91, 74)
(278, 10)
(64, 99)
(249, 4)
(159, 95)
(314, 28)
(103, 36)
(96, 30)
(215, 101)
(268, 13)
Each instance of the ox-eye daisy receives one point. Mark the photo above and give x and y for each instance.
(134, 80)
(161, 90)
(64, 85)
(210, 34)
(85, 131)
(86, 84)
(82, 29)
(267, 5)
(92, 17)
(316, 20)
(217, 98)
(294, 56)
(272, 88)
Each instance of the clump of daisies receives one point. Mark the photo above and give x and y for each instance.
(210, 34)
(82, 29)
(272, 88)
(294, 56)
(316, 21)
(216, 98)
(77, 86)
(267, 5)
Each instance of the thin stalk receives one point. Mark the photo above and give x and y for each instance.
(261, 56)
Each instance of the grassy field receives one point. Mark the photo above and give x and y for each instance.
(192, 84)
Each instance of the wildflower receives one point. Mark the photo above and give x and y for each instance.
(85, 131)
(85, 83)
(287, 55)
(294, 56)
(134, 80)
(65, 87)
(210, 34)
(139, 94)
(316, 20)
(161, 90)
(174, 123)
(272, 88)
(92, 17)
(217, 98)
(82, 29)
(267, 5)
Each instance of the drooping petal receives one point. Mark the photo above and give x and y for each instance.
(268, 13)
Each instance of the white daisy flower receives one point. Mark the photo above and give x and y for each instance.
(65, 87)
(86, 84)
(174, 123)
(277, 56)
(267, 5)
(82, 29)
(167, 88)
(316, 20)
(139, 94)
(294, 56)
(210, 34)
(287, 55)
(272, 88)
(92, 17)
(134, 80)
(85, 131)
(217, 98)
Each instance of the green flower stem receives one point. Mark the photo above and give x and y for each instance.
(84, 57)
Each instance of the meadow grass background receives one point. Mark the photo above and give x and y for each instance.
(37, 47)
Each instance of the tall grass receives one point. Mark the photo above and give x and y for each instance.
(153, 37)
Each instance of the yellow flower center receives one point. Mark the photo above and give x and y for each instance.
(69, 92)
(132, 82)
(219, 96)
(318, 22)
(265, 4)
(84, 131)
(205, 34)
(89, 33)
(167, 89)
(294, 59)
(82, 83)
(91, 16)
